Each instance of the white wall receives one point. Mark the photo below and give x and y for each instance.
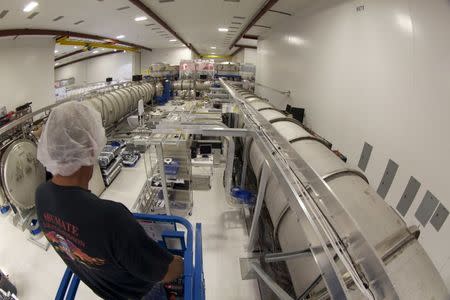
(118, 66)
(239, 57)
(171, 56)
(245, 56)
(380, 75)
(250, 56)
(26, 71)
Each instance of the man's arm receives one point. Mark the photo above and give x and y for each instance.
(140, 255)
(175, 270)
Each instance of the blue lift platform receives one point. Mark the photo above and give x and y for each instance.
(162, 229)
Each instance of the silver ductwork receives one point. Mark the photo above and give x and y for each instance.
(406, 263)
(189, 84)
(116, 104)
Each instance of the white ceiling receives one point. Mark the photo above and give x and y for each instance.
(196, 21)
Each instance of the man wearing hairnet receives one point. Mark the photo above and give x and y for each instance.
(99, 240)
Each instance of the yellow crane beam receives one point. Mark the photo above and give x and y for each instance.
(71, 42)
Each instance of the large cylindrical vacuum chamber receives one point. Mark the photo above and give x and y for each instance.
(191, 85)
(116, 104)
(408, 266)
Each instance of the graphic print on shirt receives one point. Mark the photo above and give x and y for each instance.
(64, 238)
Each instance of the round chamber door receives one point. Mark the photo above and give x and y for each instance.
(21, 173)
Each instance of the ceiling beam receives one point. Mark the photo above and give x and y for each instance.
(246, 46)
(250, 36)
(280, 12)
(69, 54)
(265, 8)
(87, 57)
(163, 23)
(27, 31)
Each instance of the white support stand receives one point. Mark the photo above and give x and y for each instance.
(159, 152)
(259, 202)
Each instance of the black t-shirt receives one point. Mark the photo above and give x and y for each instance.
(100, 241)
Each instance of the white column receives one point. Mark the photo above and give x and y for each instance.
(27, 71)
(136, 65)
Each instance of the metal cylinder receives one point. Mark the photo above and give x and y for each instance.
(410, 269)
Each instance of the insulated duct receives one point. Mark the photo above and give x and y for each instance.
(116, 104)
(407, 265)
(191, 85)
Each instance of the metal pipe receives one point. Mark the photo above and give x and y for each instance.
(259, 201)
(372, 220)
(281, 294)
(283, 256)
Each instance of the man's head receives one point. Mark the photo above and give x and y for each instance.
(72, 139)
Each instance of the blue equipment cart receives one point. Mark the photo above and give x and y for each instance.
(162, 229)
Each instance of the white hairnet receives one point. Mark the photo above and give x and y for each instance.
(73, 137)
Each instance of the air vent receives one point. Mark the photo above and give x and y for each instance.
(3, 13)
(58, 18)
(123, 8)
(233, 27)
(238, 17)
(33, 15)
(155, 28)
(164, 1)
(236, 23)
(79, 22)
(232, 0)
(151, 24)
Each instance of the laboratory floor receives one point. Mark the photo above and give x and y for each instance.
(37, 273)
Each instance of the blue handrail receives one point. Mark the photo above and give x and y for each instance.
(199, 281)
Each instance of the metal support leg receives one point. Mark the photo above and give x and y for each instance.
(281, 294)
(283, 256)
(229, 165)
(159, 152)
(259, 202)
(245, 154)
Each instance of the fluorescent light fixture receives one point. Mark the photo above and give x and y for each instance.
(223, 29)
(172, 40)
(30, 6)
(213, 47)
(120, 36)
(138, 19)
(56, 51)
(95, 52)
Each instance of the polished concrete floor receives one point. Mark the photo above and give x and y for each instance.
(37, 273)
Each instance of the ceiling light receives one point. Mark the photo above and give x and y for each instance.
(56, 64)
(115, 50)
(223, 29)
(75, 47)
(30, 6)
(120, 36)
(172, 40)
(95, 52)
(213, 53)
(213, 47)
(138, 19)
